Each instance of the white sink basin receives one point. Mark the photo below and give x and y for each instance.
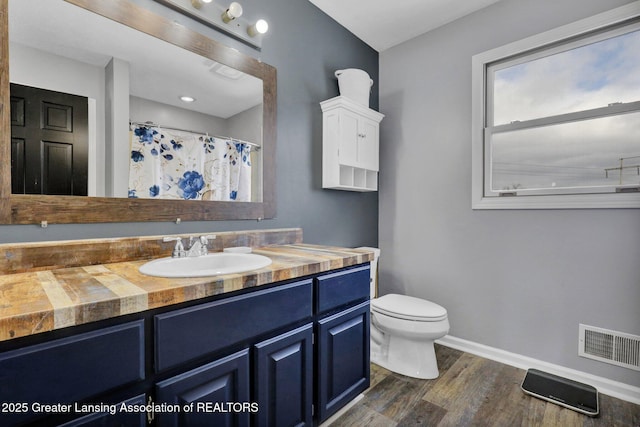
(205, 265)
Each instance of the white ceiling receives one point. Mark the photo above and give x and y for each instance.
(385, 23)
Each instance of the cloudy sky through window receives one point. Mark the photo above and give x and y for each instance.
(575, 153)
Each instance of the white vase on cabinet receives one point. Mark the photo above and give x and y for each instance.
(350, 145)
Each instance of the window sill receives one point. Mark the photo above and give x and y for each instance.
(572, 201)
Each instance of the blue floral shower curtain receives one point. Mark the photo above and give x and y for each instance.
(172, 164)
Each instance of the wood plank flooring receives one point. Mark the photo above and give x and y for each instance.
(471, 391)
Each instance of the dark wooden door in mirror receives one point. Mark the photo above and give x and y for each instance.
(48, 142)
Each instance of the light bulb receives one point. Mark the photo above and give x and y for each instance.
(233, 11)
(198, 3)
(260, 27)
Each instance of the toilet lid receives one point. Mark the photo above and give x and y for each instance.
(410, 308)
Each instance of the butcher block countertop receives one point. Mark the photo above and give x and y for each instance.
(43, 300)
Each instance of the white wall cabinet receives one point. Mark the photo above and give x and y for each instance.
(350, 145)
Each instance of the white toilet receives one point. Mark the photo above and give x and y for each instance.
(403, 331)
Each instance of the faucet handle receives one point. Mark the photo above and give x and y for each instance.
(204, 240)
(178, 250)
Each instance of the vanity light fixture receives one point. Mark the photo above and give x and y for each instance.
(198, 3)
(260, 27)
(233, 11)
(186, 98)
(224, 16)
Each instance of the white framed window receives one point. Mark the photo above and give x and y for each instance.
(556, 117)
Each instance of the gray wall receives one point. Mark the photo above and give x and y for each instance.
(519, 280)
(306, 47)
(142, 110)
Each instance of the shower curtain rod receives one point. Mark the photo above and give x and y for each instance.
(253, 144)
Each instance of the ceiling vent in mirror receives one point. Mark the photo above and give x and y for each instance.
(228, 72)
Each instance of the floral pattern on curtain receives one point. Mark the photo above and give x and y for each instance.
(171, 164)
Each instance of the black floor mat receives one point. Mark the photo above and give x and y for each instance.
(562, 391)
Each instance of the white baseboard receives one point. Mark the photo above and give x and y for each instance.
(605, 386)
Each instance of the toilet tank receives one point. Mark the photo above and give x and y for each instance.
(374, 271)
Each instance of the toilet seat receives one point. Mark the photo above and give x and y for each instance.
(408, 308)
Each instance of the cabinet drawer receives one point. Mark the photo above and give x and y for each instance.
(187, 334)
(342, 288)
(71, 369)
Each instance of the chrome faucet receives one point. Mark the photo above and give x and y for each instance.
(197, 246)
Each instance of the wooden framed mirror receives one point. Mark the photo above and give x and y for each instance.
(34, 209)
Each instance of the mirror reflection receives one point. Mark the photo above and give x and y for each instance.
(111, 114)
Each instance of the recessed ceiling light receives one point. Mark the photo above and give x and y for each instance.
(187, 98)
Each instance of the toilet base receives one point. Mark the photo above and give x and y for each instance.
(416, 359)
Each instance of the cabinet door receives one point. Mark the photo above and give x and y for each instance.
(216, 390)
(368, 147)
(348, 148)
(343, 358)
(284, 379)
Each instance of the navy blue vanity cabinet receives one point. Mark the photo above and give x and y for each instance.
(69, 370)
(283, 369)
(211, 389)
(342, 343)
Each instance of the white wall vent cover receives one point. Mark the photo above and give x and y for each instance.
(608, 346)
